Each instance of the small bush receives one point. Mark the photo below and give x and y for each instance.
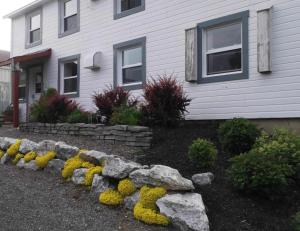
(78, 116)
(42, 161)
(89, 176)
(237, 136)
(126, 115)
(111, 197)
(165, 101)
(126, 187)
(112, 98)
(14, 149)
(296, 222)
(270, 166)
(30, 156)
(17, 158)
(203, 153)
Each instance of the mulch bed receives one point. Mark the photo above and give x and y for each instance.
(228, 209)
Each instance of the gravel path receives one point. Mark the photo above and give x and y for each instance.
(31, 201)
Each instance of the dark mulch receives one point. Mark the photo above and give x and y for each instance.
(228, 210)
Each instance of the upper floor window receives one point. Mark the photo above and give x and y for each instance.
(130, 64)
(34, 29)
(69, 17)
(223, 48)
(127, 7)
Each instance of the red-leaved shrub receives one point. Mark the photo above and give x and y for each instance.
(112, 98)
(165, 101)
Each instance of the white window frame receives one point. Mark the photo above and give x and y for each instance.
(28, 43)
(207, 52)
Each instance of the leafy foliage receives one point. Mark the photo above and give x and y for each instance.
(270, 166)
(126, 115)
(296, 222)
(238, 135)
(203, 153)
(78, 116)
(165, 101)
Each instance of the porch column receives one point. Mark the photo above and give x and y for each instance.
(15, 91)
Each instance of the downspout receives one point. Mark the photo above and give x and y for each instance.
(15, 91)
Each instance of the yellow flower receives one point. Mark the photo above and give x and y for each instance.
(14, 149)
(1, 153)
(126, 187)
(87, 165)
(42, 161)
(30, 156)
(70, 165)
(111, 197)
(149, 196)
(18, 157)
(90, 175)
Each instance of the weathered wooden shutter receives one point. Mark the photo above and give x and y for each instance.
(264, 41)
(191, 55)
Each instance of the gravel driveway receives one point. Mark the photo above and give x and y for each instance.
(31, 201)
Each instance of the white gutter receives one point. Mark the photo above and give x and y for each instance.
(25, 9)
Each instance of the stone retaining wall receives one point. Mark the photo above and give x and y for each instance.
(134, 136)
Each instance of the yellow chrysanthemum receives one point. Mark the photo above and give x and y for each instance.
(42, 161)
(111, 197)
(1, 153)
(30, 156)
(18, 157)
(70, 165)
(126, 187)
(14, 149)
(89, 176)
(149, 196)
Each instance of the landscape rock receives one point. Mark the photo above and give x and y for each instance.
(31, 165)
(130, 201)
(94, 157)
(160, 175)
(27, 146)
(79, 176)
(55, 166)
(203, 178)
(6, 142)
(45, 146)
(187, 211)
(100, 184)
(64, 151)
(21, 163)
(118, 168)
(5, 159)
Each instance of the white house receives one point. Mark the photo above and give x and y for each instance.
(5, 83)
(236, 58)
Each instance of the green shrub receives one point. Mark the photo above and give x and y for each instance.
(296, 222)
(272, 164)
(126, 115)
(237, 136)
(203, 153)
(78, 116)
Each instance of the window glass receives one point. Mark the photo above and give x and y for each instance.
(70, 8)
(224, 36)
(35, 22)
(70, 85)
(70, 69)
(132, 56)
(70, 23)
(222, 62)
(22, 88)
(132, 75)
(35, 35)
(130, 4)
(70, 80)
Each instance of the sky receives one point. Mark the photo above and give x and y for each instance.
(6, 7)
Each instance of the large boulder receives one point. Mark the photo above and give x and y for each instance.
(79, 176)
(31, 165)
(64, 151)
(118, 168)
(45, 146)
(130, 201)
(160, 175)
(21, 163)
(55, 166)
(6, 142)
(94, 157)
(187, 211)
(203, 178)
(5, 159)
(27, 146)
(100, 184)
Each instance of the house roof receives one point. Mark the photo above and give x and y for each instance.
(4, 55)
(27, 8)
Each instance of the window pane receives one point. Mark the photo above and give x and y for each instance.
(35, 36)
(129, 4)
(70, 85)
(22, 93)
(132, 56)
(224, 36)
(70, 23)
(228, 61)
(22, 79)
(35, 22)
(132, 75)
(70, 69)
(70, 8)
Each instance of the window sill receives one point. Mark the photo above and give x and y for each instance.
(67, 33)
(27, 46)
(132, 87)
(223, 78)
(73, 95)
(129, 12)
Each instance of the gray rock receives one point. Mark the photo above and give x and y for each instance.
(100, 184)
(118, 168)
(27, 146)
(31, 165)
(129, 202)
(55, 166)
(160, 175)
(64, 151)
(5, 142)
(203, 178)
(21, 163)
(45, 146)
(187, 211)
(94, 157)
(79, 176)
(5, 159)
